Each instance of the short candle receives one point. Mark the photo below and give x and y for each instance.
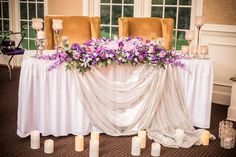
(142, 135)
(35, 139)
(48, 146)
(79, 143)
(205, 137)
(156, 149)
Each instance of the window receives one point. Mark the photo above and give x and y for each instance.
(4, 16)
(180, 11)
(110, 11)
(30, 9)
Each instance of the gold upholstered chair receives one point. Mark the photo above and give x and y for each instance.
(143, 27)
(79, 29)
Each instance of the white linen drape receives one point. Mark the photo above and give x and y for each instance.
(49, 100)
(148, 98)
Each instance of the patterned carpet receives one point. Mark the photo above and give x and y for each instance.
(13, 146)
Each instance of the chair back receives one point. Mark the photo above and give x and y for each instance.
(79, 29)
(143, 27)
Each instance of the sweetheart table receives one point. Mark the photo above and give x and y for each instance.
(49, 101)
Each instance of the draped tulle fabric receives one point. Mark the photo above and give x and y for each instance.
(145, 97)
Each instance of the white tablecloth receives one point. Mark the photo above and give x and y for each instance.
(49, 101)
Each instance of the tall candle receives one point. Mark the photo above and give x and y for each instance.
(135, 148)
(95, 135)
(179, 136)
(57, 24)
(93, 148)
(35, 139)
(48, 146)
(79, 143)
(156, 149)
(142, 135)
(205, 137)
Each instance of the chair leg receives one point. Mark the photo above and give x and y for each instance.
(7, 63)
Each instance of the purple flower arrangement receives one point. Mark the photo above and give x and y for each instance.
(102, 52)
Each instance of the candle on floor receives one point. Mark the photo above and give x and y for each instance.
(205, 137)
(95, 135)
(135, 148)
(93, 148)
(35, 139)
(156, 149)
(48, 146)
(179, 136)
(142, 135)
(79, 143)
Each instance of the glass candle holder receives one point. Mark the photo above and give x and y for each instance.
(203, 51)
(40, 43)
(228, 136)
(223, 127)
(57, 27)
(199, 21)
(37, 23)
(189, 36)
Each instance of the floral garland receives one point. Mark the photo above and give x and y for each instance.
(103, 52)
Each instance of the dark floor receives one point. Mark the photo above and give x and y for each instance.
(11, 145)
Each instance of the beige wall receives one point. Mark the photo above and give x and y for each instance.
(65, 7)
(220, 11)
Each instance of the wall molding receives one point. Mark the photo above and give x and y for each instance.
(221, 44)
(219, 28)
(221, 40)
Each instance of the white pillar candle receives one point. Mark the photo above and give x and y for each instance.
(57, 24)
(142, 135)
(156, 149)
(179, 136)
(37, 23)
(135, 148)
(41, 35)
(205, 137)
(35, 139)
(95, 135)
(48, 146)
(93, 148)
(79, 143)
